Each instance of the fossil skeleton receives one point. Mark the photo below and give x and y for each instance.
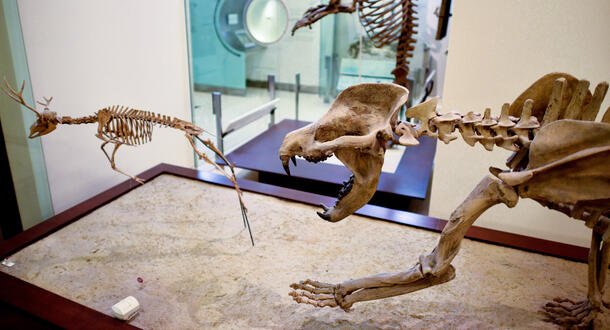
(384, 21)
(561, 160)
(119, 126)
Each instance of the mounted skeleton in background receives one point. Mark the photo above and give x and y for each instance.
(384, 21)
(561, 160)
(118, 125)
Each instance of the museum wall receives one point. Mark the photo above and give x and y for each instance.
(89, 55)
(496, 50)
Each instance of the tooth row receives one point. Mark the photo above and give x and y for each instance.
(346, 188)
(316, 159)
(507, 132)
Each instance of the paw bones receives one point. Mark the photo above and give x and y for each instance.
(319, 294)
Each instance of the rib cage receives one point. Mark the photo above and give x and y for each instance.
(385, 20)
(131, 126)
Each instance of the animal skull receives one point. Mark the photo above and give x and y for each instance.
(46, 121)
(356, 129)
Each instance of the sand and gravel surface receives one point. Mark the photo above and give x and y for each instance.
(185, 239)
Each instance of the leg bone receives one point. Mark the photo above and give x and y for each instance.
(432, 269)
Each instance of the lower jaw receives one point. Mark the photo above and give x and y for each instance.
(330, 213)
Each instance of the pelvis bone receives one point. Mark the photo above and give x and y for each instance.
(356, 129)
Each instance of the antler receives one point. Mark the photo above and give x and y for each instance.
(47, 101)
(18, 97)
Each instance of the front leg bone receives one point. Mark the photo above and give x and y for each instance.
(432, 269)
(314, 14)
(379, 286)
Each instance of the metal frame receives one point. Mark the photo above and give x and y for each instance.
(247, 118)
(297, 91)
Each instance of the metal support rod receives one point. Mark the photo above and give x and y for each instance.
(272, 117)
(297, 90)
(328, 67)
(271, 87)
(217, 110)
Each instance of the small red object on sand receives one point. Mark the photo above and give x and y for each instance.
(140, 280)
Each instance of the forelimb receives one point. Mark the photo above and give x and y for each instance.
(591, 311)
(117, 144)
(432, 269)
(314, 14)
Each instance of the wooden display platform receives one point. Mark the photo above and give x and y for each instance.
(25, 305)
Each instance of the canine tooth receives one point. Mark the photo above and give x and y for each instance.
(324, 215)
(287, 168)
(285, 164)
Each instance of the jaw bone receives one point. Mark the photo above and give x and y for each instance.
(356, 129)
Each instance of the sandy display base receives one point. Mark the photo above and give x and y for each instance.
(185, 239)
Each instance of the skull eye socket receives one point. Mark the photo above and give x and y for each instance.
(37, 124)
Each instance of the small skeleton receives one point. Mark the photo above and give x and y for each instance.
(119, 126)
(561, 160)
(384, 21)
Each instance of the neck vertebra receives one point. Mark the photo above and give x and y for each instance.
(506, 131)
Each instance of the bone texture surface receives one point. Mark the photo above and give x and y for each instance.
(199, 271)
(385, 21)
(119, 125)
(561, 160)
(356, 129)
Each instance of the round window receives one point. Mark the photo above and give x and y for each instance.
(266, 20)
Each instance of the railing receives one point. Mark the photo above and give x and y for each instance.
(245, 119)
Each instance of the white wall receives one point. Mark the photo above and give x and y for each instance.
(92, 54)
(497, 49)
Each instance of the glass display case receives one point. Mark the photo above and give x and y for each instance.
(331, 55)
(22, 162)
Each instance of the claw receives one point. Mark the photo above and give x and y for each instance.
(569, 313)
(294, 160)
(326, 208)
